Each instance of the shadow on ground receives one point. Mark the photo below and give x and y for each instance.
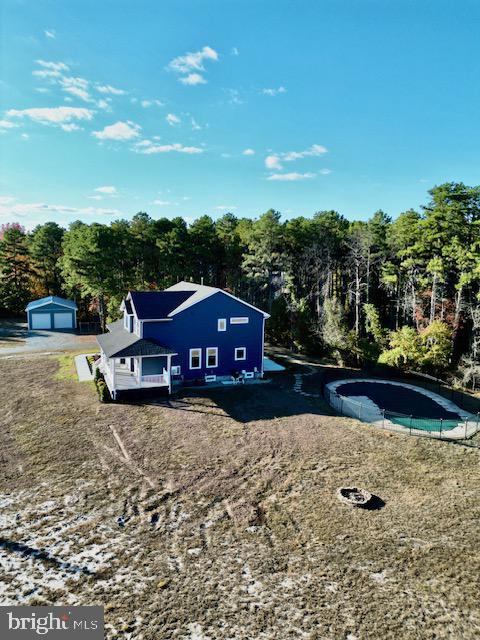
(248, 403)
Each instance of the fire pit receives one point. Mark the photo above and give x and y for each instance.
(354, 496)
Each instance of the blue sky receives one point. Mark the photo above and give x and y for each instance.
(198, 107)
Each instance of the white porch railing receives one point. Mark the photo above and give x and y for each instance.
(157, 379)
(126, 379)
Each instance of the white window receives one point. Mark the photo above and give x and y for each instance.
(239, 320)
(175, 370)
(222, 324)
(240, 353)
(212, 357)
(195, 358)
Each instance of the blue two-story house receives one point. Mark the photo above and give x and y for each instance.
(186, 333)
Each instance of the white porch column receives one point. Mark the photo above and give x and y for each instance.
(169, 367)
(140, 370)
(112, 370)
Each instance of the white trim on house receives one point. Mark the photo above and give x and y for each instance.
(224, 324)
(60, 304)
(244, 353)
(207, 355)
(239, 320)
(199, 349)
(263, 347)
(137, 327)
(201, 293)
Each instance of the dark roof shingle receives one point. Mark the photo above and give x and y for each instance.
(152, 305)
(119, 343)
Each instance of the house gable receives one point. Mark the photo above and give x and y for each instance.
(201, 292)
(197, 327)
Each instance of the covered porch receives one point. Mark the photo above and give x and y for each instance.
(129, 362)
(122, 374)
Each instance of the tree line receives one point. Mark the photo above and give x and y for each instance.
(403, 292)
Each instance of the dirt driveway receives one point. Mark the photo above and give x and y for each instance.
(16, 339)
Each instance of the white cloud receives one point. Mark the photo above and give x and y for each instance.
(52, 115)
(290, 177)
(192, 79)
(248, 152)
(193, 62)
(172, 119)
(53, 66)
(195, 125)
(28, 208)
(234, 96)
(107, 88)
(273, 162)
(49, 33)
(46, 73)
(6, 124)
(226, 207)
(184, 64)
(70, 127)
(118, 131)
(25, 136)
(7, 199)
(234, 51)
(325, 172)
(148, 103)
(151, 148)
(109, 190)
(144, 143)
(95, 197)
(163, 203)
(79, 93)
(104, 104)
(274, 92)
(314, 150)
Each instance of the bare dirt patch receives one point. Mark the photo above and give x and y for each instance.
(214, 516)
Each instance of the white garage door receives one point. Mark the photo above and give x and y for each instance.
(63, 320)
(41, 321)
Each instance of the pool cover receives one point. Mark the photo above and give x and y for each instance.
(398, 399)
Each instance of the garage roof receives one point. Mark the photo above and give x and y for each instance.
(41, 302)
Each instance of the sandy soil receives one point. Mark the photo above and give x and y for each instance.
(214, 516)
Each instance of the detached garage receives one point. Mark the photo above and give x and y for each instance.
(51, 314)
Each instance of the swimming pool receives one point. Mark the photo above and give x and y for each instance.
(401, 407)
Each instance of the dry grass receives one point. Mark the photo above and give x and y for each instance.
(217, 518)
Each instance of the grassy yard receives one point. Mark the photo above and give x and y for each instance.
(213, 515)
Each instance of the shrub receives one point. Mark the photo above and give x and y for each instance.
(102, 389)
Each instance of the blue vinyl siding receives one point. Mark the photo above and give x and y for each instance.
(196, 327)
